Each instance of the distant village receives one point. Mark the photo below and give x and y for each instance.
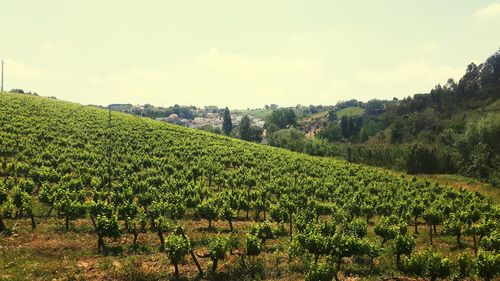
(208, 119)
(188, 116)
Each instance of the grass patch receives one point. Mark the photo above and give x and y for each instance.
(257, 113)
(350, 111)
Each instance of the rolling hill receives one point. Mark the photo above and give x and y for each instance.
(75, 177)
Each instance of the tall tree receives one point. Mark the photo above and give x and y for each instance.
(281, 119)
(227, 124)
(245, 132)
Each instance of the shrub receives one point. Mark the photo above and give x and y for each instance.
(416, 264)
(438, 266)
(487, 265)
(217, 250)
(176, 248)
(253, 245)
(465, 264)
(428, 263)
(403, 245)
(320, 272)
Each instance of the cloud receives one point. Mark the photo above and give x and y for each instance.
(18, 69)
(20, 75)
(407, 79)
(235, 65)
(55, 47)
(238, 81)
(221, 78)
(296, 38)
(489, 11)
(138, 75)
(47, 46)
(429, 47)
(136, 84)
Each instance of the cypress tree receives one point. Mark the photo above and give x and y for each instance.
(227, 124)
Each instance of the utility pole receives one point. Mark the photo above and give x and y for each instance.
(1, 88)
(109, 155)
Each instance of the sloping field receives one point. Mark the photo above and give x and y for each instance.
(97, 195)
(350, 111)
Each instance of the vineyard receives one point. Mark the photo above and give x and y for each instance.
(87, 194)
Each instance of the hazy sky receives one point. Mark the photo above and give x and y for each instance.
(241, 53)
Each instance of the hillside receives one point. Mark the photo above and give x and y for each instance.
(452, 129)
(77, 180)
(257, 113)
(349, 111)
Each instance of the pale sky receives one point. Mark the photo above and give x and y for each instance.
(241, 53)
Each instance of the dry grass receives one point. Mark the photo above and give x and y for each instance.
(56, 255)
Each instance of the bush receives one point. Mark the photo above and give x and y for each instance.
(492, 242)
(389, 227)
(438, 266)
(291, 139)
(263, 231)
(320, 272)
(208, 210)
(465, 264)
(421, 159)
(416, 264)
(357, 228)
(403, 245)
(487, 265)
(253, 245)
(176, 247)
(428, 263)
(217, 250)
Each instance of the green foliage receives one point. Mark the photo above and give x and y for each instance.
(314, 241)
(176, 248)
(453, 226)
(477, 147)
(291, 139)
(389, 227)
(433, 216)
(350, 126)
(320, 147)
(451, 129)
(356, 228)
(438, 266)
(465, 265)
(248, 132)
(227, 124)
(208, 210)
(374, 106)
(253, 245)
(107, 226)
(332, 133)
(428, 263)
(487, 265)
(263, 231)
(421, 159)
(403, 244)
(56, 153)
(245, 125)
(491, 242)
(185, 112)
(320, 272)
(416, 264)
(211, 129)
(217, 250)
(281, 118)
